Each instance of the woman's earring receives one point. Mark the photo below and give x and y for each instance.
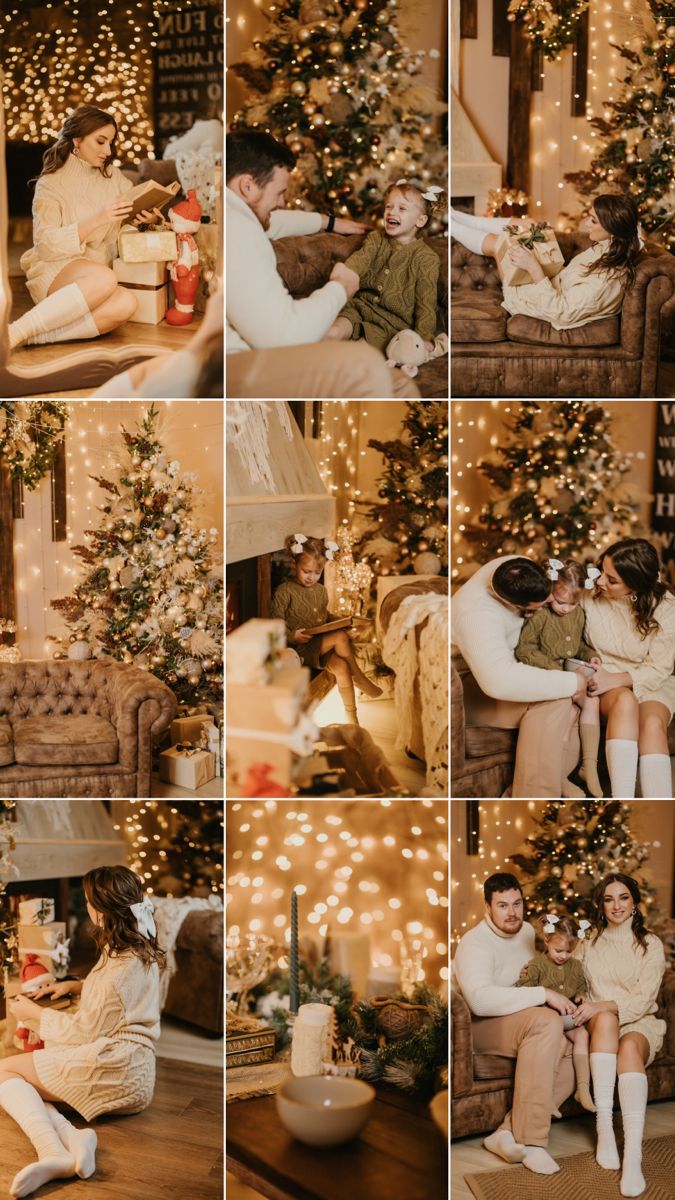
(633, 597)
(633, 911)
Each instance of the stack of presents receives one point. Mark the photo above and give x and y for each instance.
(194, 757)
(43, 959)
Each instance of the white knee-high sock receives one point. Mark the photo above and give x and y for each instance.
(84, 327)
(21, 1102)
(603, 1074)
(656, 777)
(622, 757)
(54, 312)
(633, 1100)
(80, 1142)
(487, 224)
(472, 239)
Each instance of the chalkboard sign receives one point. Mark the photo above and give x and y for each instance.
(663, 514)
(188, 82)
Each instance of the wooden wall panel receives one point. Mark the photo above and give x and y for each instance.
(520, 75)
(7, 610)
(468, 19)
(501, 29)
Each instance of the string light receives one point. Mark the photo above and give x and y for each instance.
(157, 834)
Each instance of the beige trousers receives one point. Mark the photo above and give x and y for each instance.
(351, 370)
(545, 750)
(532, 1037)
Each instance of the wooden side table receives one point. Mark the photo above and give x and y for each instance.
(400, 1154)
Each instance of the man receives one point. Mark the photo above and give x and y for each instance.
(520, 1023)
(273, 341)
(488, 614)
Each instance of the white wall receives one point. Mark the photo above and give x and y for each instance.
(191, 431)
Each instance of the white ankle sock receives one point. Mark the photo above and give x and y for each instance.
(80, 1142)
(603, 1074)
(622, 757)
(633, 1100)
(21, 1102)
(54, 312)
(656, 777)
(539, 1160)
(84, 327)
(503, 1143)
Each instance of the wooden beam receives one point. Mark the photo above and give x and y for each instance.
(536, 78)
(520, 73)
(580, 68)
(59, 504)
(7, 609)
(264, 585)
(468, 19)
(501, 29)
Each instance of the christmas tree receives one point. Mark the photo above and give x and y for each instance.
(411, 531)
(638, 128)
(8, 872)
(562, 483)
(333, 82)
(195, 852)
(151, 594)
(577, 844)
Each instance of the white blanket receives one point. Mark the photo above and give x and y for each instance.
(430, 664)
(169, 916)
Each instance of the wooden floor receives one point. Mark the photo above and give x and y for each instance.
(172, 1151)
(168, 791)
(567, 1137)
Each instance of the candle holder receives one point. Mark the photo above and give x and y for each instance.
(248, 960)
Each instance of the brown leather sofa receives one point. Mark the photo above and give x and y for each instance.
(482, 756)
(196, 990)
(305, 264)
(494, 354)
(482, 1084)
(79, 728)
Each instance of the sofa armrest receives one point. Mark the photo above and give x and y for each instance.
(651, 297)
(462, 1045)
(667, 1012)
(142, 707)
(457, 724)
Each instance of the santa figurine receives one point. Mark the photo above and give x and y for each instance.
(185, 219)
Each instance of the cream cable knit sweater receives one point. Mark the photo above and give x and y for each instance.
(610, 628)
(616, 969)
(101, 1058)
(488, 963)
(72, 194)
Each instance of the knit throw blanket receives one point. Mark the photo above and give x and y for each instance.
(169, 916)
(430, 666)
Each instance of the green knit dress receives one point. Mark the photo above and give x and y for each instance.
(398, 290)
(301, 608)
(568, 978)
(547, 639)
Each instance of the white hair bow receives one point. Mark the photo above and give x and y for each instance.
(554, 565)
(296, 547)
(583, 926)
(144, 919)
(331, 547)
(431, 192)
(591, 574)
(552, 921)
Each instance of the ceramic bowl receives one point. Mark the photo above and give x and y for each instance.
(324, 1110)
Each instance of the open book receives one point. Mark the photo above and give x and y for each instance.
(150, 195)
(342, 623)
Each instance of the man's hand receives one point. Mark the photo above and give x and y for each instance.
(523, 971)
(348, 278)
(343, 225)
(605, 681)
(560, 1003)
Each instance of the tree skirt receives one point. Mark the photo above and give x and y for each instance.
(579, 1178)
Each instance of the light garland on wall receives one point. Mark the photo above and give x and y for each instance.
(147, 830)
(339, 439)
(548, 29)
(489, 862)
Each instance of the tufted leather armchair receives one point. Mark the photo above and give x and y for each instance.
(497, 355)
(79, 728)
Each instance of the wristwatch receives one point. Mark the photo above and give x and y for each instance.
(331, 223)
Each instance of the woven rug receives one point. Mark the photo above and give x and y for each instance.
(580, 1178)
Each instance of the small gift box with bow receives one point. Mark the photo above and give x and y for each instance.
(540, 239)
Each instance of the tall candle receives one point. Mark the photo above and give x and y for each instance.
(294, 953)
(349, 954)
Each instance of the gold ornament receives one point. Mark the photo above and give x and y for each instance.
(298, 88)
(319, 119)
(670, 31)
(304, 33)
(127, 536)
(194, 679)
(160, 534)
(332, 29)
(426, 130)
(382, 18)
(335, 48)
(309, 107)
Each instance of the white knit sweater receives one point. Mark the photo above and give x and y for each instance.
(486, 965)
(487, 633)
(616, 969)
(611, 630)
(572, 297)
(70, 195)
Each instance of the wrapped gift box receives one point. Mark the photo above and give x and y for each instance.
(252, 649)
(547, 251)
(36, 911)
(140, 274)
(187, 770)
(158, 245)
(243, 753)
(188, 729)
(274, 708)
(151, 304)
(35, 938)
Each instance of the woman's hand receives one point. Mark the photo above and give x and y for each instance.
(589, 1008)
(604, 681)
(24, 1009)
(147, 217)
(301, 637)
(560, 1003)
(55, 990)
(343, 225)
(520, 256)
(117, 210)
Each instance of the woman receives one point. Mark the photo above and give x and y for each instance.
(625, 962)
(593, 283)
(78, 208)
(630, 622)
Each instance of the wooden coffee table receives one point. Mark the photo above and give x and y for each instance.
(400, 1155)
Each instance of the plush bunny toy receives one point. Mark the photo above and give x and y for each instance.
(407, 350)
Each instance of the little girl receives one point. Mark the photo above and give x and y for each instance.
(398, 273)
(557, 970)
(101, 1059)
(555, 633)
(302, 603)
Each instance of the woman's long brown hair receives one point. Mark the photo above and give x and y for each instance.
(619, 216)
(637, 565)
(112, 891)
(640, 930)
(84, 120)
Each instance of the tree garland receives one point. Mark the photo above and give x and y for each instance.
(413, 1063)
(549, 29)
(30, 431)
